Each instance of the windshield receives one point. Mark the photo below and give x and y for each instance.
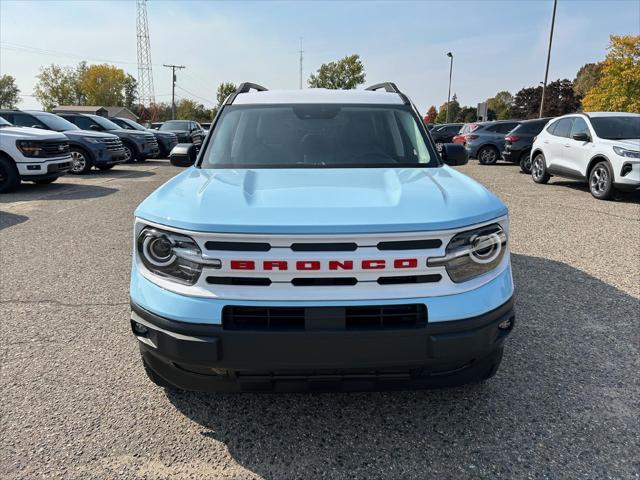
(175, 125)
(313, 136)
(104, 123)
(56, 123)
(128, 124)
(620, 127)
(4, 123)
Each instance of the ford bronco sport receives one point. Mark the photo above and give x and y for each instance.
(321, 242)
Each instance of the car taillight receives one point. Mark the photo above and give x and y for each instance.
(468, 137)
(511, 138)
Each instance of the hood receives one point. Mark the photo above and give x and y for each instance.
(631, 144)
(175, 132)
(133, 134)
(328, 200)
(163, 134)
(26, 133)
(88, 134)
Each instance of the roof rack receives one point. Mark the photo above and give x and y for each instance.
(245, 87)
(389, 87)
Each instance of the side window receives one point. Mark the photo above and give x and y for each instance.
(7, 116)
(493, 128)
(563, 128)
(24, 120)
(579, 126)
(83, 122)
(507, 127)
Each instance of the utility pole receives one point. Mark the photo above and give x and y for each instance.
(450, 55)
(546, 72)
(173, 87)
(301, 52)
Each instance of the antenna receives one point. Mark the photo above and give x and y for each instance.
(301, 52)
(146, 94)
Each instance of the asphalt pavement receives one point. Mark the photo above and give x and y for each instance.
(76, 404)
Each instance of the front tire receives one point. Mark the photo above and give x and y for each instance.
(525, 162)
(539, 170)
(9, 176)
(80, 162)
(129, 153)
(601, 181)
(488, 155)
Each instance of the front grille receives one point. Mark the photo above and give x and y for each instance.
(55, 148)
(370, 317)
(113, 144)
(150, 139)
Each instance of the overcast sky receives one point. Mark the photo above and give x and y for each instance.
(497, 45)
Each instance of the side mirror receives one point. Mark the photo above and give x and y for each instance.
(183, 155)
(582, 137)
(95, 127)
(454, 154)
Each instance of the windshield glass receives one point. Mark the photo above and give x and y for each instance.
(4, 123)
(128, 124)
(314, 136)
(175, 125)
(54, 122)
(621, 127)
(104, 123)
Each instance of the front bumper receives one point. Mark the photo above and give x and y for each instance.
(210, 358)
(49, 168)
(104, 156)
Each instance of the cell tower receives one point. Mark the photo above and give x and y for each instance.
(146, 94)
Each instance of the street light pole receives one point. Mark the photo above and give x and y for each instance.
(546, 72)
(450, 55)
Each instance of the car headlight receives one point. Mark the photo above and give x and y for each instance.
(172, 255)
(623, 152)
(473, 253)
(30, 148)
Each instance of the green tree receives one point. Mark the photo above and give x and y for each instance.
(9, 92)
(587, 78)
(559, 99)
(104, 84)
(130, 92)
(501, 104)
(187, 109)
(455, 110)
(618, 89)
(224, 90)
(467, 115)
(58, 85)
(344, 74)
(431, 115)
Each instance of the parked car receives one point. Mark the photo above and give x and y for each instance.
(466, 128)
(442, 134)
(486, 140)
(31, 155)
(206, 126)
(518, 142)
(166, 140)
(88, 149)
(156, 125)
(283, 260)
(186, 130)
(601, 148)
(138, 146)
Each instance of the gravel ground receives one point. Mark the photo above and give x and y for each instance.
(76, 404)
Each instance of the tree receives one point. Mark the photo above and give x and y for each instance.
(467, 115)
(104, 85)
(455, 110)
(587, 78)
(430, 117)
(187, 109)
(58, 85)
(130, 92)
(224, 90)
(559, 99)
(618, 89)
(501, 104)
(9, 92)
(344, 74)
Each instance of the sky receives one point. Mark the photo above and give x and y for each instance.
(497, 45)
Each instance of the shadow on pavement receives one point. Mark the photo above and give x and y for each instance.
(10, 219)
(56, 191)
(564, 403)
(622, 197)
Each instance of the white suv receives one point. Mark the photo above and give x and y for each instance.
(602, 148)
(31, 155)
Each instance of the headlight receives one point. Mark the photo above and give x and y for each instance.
(473, 253)
(623, 152)
(30, 149)
(172, 255)
(93, 140)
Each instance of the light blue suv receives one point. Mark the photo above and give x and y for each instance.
(486, 141)
(320, 242)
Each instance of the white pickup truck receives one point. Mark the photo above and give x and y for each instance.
(31, 155)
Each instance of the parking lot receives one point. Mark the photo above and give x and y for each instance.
(77, 404)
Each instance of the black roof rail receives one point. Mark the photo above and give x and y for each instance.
(244, 88)
(389, 87)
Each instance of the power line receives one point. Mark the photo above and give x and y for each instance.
(197, 96)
